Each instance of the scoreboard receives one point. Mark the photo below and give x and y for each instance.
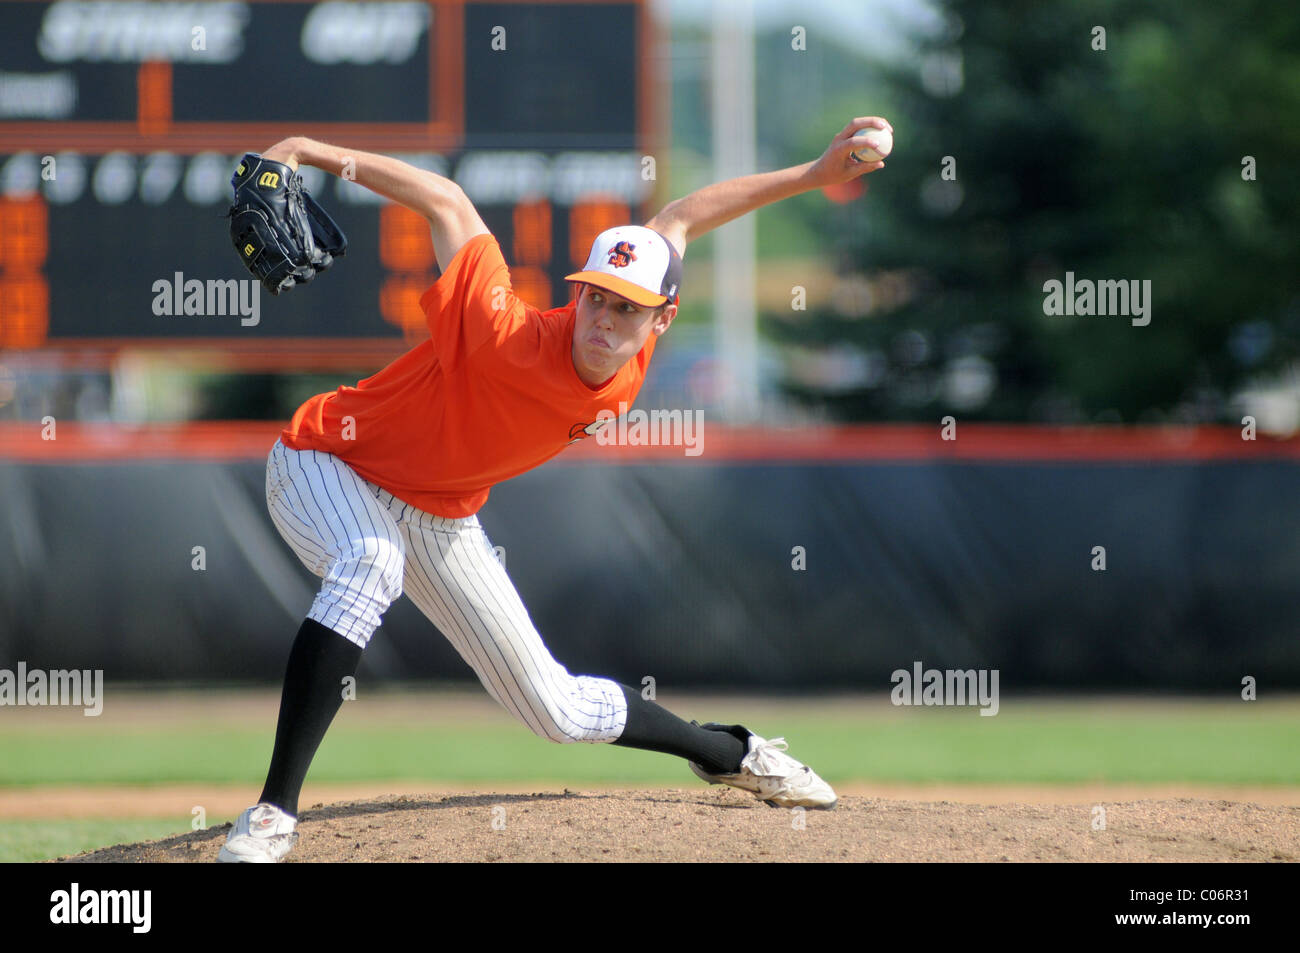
(121, 123)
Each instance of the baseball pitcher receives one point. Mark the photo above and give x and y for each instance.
(377, 487)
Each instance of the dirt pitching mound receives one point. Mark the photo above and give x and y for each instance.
(722, 824)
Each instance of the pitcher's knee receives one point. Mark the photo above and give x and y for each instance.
(581, 709)
(359, 588)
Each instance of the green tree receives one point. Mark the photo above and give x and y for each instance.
(1122, 162)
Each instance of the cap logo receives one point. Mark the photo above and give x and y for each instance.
(621, 255)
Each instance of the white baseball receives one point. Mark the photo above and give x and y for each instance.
(876, 144)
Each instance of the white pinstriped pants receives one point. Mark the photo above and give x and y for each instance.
(369, 547)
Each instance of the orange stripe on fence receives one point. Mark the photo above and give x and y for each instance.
(904, 443)
(55, 442)
(245, 440)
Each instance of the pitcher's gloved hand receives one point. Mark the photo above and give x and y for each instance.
(281, 234)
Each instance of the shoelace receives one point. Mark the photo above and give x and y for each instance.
(767, 757)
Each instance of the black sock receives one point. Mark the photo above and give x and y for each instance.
(652, 727)
(313, 692)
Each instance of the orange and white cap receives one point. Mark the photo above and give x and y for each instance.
(635, 262)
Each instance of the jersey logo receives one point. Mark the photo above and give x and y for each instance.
(249, 249)
(579, 431)
(621, 255)
(269, 180)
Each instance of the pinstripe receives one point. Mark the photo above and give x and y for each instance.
(483, 629)
(323, 598)
(514, 630)
(359, 544)
(422, 588)
(326, 597)
(471, 649)
(282, 505)
(377, 560)
(489, 569)
(292, 520)
(348, 542)
(438, 611)
(311, 555)
(379, 516)
(301, 544)
(477, 632)
(368, 558)
(300, 511)
(361, 569)
(540, 671)
(323, 527)
(463, 590)
(468, 638)
(519, 620)
(284, 515)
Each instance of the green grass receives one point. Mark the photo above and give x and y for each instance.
(23, 841)
(925, 745)
(1037, 742)
(950, 746)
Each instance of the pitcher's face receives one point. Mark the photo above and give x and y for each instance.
(610, 330)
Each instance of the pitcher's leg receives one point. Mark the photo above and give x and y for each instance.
(453, 575)
(340, 531)
(455, 579)
(311, 696)
(331, 519)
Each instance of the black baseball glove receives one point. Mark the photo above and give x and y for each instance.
(279, 231)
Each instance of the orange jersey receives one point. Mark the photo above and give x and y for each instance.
(492, 393)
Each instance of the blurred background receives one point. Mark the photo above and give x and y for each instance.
(905, 457)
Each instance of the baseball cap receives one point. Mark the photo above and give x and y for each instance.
(635, 262)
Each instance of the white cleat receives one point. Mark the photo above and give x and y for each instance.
(773, 776)
(262, 835)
